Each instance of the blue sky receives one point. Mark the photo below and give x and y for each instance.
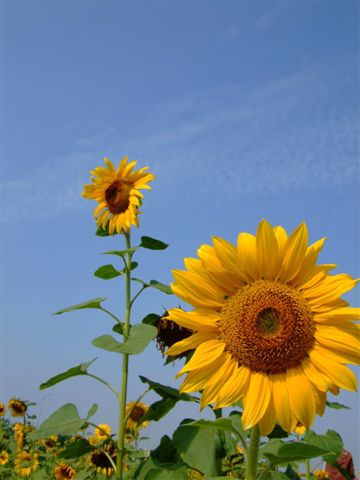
(242, 110)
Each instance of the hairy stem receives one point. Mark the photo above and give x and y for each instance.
(252, 455)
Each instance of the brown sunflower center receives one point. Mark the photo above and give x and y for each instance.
(117, 196)
(137, 413)
(267, 326)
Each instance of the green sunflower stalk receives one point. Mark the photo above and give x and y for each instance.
(117, 191)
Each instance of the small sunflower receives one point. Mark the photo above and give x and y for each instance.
(300, 429)
(321, 475)
(101, 461)
(50, 443)
(269, 327)
(134, 413)
(2, 409)
(17, 407)
(19, 435)
(26, 463)
(4, 457)
(103, 431)
(117, 192)
(63, 471)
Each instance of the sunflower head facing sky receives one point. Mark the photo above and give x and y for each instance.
(117, 191)
(269, 327)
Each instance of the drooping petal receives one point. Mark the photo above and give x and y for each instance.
(301, 396)
(284, 414)
(256, 399)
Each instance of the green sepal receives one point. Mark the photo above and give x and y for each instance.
(165, 391)
(77, 449)
(93, 303)
(139, 338)
(152, 243)
(104, 232)
(72, 372)
(107, 272)
(64, 421)
(337, 406)
(151, 319)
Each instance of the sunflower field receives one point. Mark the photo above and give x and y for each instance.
(265, 334)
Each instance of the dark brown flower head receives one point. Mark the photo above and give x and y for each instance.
(64, 472)
(100, 459)
(169, 333)
(17, 407)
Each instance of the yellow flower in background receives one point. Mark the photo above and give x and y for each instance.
(117, 191)
(63, 471)
(269, 327)
(300, 429)
(2, 409)
(26, 463)
(17, 407)
(4, 457)
(103, 431)
(321, 475)
(134, 413)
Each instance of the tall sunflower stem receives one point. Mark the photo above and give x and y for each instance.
(125, 366)
(252, 455)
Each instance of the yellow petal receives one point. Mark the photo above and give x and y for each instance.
(281, 237)
(196, 290)
(197, 379)
(281, 401)
(309, 262)
(336, 372)
(195, 320)
(229, 258)
(301, 396)
(267, 423)
(204, 354)
(340, 340)
(234, 388)
(330, 289)
(246, 246)
(256, 399)
(216, 382)
(267, 251)
(294, 253)
(189, 343)
(338, 315)
(316, 377)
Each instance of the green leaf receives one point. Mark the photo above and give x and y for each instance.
(337, 406)
(331, 442)
(152, 243)
(65, 421)
(179, 473)
(220, 423)
(107, 342)
(72, 372)
(161, 286)
(151, 319)
(94, 303)
(200, 448)
(118, 328)
(139, 338)
(121, 253)
(106, 272)
(278, 432)
(275, 475)
(92, 411)
(77, 449)
(165, 391)
(159, 409)
(295, 451)
(145, 284)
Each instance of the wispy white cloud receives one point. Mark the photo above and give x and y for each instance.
(296, 132)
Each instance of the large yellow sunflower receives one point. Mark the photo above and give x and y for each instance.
(117, 192)
(269, 327)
